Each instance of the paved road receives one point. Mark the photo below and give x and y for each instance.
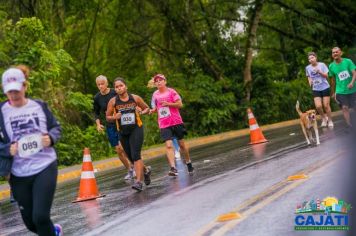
(228, 174)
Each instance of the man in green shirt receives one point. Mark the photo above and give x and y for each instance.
(342, 72)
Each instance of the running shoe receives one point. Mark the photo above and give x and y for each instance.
(330, 124)
(173, 172)
(147, 175)
(137, 186)
(324, 122)
(130, 174)
(190, 168)
(58, 230)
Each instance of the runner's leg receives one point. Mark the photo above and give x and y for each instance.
(346, 113)
(326, 105)
(170, 153)
(319, 108)
(185, 150)
(44, 187)
(136, 142)
(22, 190)
(122, 156)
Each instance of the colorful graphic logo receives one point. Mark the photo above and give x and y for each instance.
(327, 214)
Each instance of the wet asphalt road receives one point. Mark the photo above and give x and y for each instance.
(214, 164)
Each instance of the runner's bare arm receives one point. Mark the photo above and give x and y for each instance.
(310, 81)
(153, 110)
(110, 112)
(176, 104)
(13, 149)
(141, 104)
(351, 84)
(325, 75)
(99, 126)
(46, 140)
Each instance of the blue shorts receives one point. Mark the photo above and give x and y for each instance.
(113, 135)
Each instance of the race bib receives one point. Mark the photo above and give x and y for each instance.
(317, 81)
(344, 75)
(29, 145)
(164, 112)
(128, 119)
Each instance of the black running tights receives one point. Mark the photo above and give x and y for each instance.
(132, 144)
(34, 195)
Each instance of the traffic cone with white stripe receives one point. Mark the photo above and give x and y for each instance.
(88, 189)
(256, 134)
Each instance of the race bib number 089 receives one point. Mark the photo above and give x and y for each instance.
(29, 145)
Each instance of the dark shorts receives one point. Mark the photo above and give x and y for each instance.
(322, 93)
(113, 135)
(346, 100)
(176, 131)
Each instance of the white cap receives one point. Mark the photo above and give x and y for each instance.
(13, 79)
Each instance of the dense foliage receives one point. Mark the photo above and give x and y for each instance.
(200, 45)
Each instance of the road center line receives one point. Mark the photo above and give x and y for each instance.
(261, 200)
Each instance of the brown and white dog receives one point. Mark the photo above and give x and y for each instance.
(308, 122)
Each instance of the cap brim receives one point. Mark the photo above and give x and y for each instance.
(158, 78)
(13, 86)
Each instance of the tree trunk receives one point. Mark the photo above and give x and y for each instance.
(184, 26)
(85, 72)
(251, 40)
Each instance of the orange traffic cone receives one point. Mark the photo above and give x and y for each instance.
(255, 131)
(87, 188)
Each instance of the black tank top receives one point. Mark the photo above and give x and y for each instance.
(130, 119)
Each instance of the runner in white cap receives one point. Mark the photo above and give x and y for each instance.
(28, 132)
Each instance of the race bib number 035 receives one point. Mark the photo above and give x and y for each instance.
(128, 119)
(29, 145)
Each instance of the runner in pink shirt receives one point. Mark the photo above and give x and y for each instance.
(167, 102)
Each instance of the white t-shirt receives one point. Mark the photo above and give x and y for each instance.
(320, 83)
(26, 125)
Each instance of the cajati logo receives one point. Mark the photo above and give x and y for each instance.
(327, 214)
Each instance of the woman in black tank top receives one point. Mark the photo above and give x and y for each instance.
(125, 109)
(130, 118)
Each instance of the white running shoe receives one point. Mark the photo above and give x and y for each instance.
(130, 174)
(330, 124)
(324, 122)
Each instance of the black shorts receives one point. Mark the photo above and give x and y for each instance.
(322, 93)
(346, 100)
(176, 131)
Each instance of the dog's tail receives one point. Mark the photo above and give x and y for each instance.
(297, 108)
